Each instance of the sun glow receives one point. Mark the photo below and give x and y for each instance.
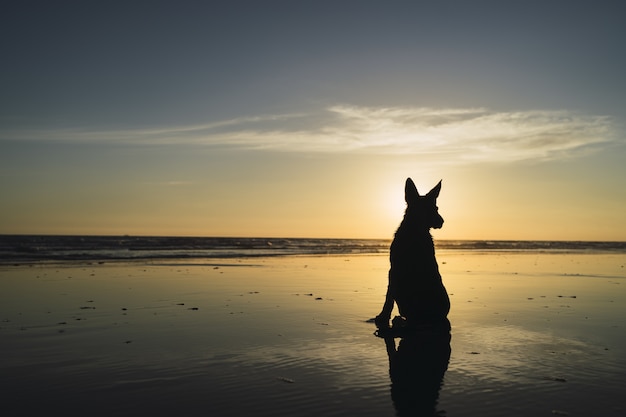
(391, 206)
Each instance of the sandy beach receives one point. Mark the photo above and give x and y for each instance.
(533, 334)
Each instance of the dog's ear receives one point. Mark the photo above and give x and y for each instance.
(434, 193)
(410, 192)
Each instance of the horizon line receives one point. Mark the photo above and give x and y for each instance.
(301, 237)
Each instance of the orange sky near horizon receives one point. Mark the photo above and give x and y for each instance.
(325, 197)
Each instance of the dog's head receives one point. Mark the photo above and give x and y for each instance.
(421, 211)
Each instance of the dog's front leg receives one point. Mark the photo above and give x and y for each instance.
(382, 320)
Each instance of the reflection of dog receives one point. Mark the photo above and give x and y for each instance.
(416, 368)
(414, 280)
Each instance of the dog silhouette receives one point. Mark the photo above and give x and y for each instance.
(415, 284)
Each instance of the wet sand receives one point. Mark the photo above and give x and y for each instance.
(532, 334)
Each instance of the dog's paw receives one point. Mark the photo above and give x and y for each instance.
(382, 322)
(398, 322)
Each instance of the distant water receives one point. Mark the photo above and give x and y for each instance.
(36, 248)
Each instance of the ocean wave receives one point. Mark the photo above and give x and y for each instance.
(41, 248)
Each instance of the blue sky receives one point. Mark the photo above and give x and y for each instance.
(304, 118)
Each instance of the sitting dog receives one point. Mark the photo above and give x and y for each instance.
(414, 280)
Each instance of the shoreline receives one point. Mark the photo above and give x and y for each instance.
(33, 249)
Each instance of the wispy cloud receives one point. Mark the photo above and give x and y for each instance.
(455, 134)
(171, 183)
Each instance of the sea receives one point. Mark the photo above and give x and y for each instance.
(17, 249)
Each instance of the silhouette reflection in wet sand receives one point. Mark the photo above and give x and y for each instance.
(417, 366)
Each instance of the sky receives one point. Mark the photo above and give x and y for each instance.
(304, 118)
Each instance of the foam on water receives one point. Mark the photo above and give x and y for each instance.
(34, 248)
